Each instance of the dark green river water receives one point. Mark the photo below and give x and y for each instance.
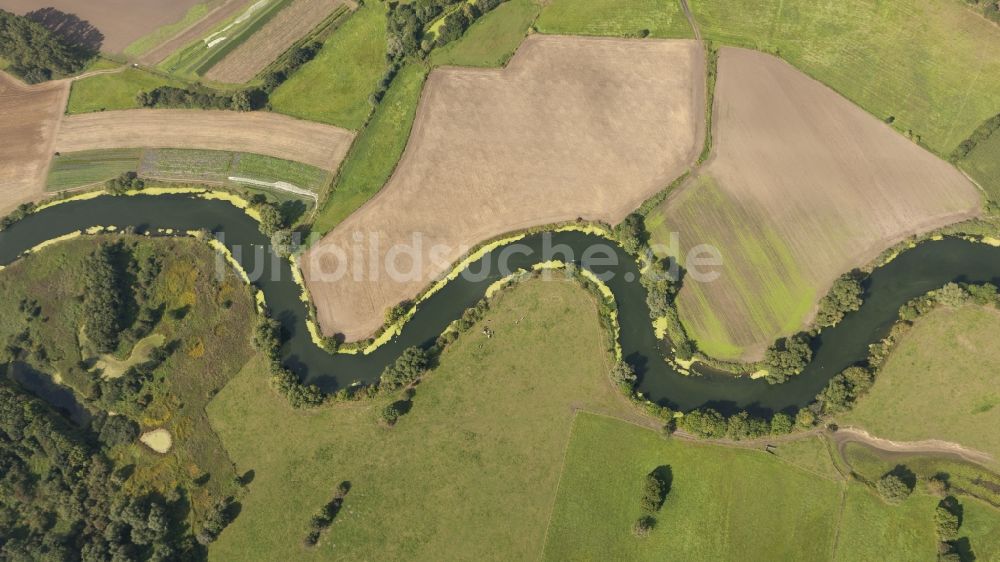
(926, 267)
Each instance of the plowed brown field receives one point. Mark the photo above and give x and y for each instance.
(573, 127)
(323, 146)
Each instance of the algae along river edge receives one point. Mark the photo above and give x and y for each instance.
(915, 272)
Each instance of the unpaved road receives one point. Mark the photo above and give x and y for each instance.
(930, 447)
(573, 127)
(319, 145)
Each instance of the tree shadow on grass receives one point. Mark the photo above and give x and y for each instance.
(76, 32)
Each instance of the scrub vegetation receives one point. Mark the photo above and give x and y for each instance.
(492, 39)
(135, 288)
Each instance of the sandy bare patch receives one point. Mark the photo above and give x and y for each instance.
(120, 21)
(290, 24)
(818, 186)
(29, 117)
(261, 132)
(574, 127)
(158, 440)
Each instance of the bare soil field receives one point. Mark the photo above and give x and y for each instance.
(802, 187)
(120, 21)
(29, 117)
(193, 32)
(573, 127)
(253, 55)
(323, 146)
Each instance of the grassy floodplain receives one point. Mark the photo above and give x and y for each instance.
(117, 90)
(492, 39)
(940, 382)
(482, 444)
(617, 18)
(933, 67)
(335, 87)
(200, 312)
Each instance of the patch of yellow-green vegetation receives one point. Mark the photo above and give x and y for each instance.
(981, 524)
(76, 169)
(932, 67)
(205, 318)
(723, 504)
(940, 382)
(983, 165)
(469, 472)
(4, 63)
(147, 42)
(492, 39)
(116, 90)
(112, 367)
(375, 151)
(772, 296)
(335, 87)
(616, 18)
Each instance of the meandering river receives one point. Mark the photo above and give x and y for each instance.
(928, 266)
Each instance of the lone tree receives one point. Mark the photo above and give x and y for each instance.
(893, 489)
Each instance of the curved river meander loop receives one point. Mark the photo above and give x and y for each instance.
(928, 266)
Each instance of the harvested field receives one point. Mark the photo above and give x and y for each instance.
(254, 54)
(270, 134)
(573, 127)
(119, 21)
(29, 116)
(193, 32)
(802, 187)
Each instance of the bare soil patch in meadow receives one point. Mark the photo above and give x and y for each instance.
(265, 133)
(253, 55)
(818, 187)
(29, 116)
(573, 127)
(120, 21)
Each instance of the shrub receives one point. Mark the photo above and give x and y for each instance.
(787, 357)
(643, 526)
(623, 375)
(781, 424)
(127, 181)
(946, 519)
(893, 489)
(390, 414)
(631, 233)
(705, 423)
(654, 491)
(844, 296)
(405, 369)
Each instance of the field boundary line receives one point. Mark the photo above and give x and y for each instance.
(555, 496)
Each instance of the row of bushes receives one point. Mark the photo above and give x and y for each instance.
(198, 97)
(982, 132)
(326, 514)
(654, 492)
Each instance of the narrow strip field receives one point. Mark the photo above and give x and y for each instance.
(29, 116)
(193, 32)
(615, 18)
(254, 54)
(802, 187)
(573, 127)
(265, 133)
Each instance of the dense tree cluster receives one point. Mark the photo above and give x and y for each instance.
(36, 54)
(843, 390)
(893, 488)
(631, 233)
(104, 300)
(16, 215)
(271, 220)
(709, 423)
(125, 182)
(267, 340)
(286, 66)
(203, 98)
(75, 509)
(844, 297)
(405, 369)
(787, 357)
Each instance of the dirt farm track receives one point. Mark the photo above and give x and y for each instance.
(262, 132)
(573, 127)
(120, 21)
(29, 116)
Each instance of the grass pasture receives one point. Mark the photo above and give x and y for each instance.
(983, 165)
(469, 472)
(615, 18)
(934, 67)
(117, 90)
(492, 39)
(724, 503)
(637, 136)
(940, 382)
(335, 87)
(77, 169)
(282, 31)
(791, 199)
(194, 60)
